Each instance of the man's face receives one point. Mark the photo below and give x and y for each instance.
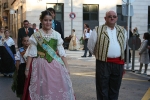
(26, 24)
(111, 18)
(53, 14)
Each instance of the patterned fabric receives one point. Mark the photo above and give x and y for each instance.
(46, 46)
(103, 42)
(43, 54)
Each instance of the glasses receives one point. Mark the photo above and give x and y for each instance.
(112, 16)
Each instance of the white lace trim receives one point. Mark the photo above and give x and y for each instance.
(33, 86)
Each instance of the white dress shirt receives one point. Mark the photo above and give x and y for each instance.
(114, 49)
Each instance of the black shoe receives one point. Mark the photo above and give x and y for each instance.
(10, 76)
(83, 56)
(90, 56)
(5, 75)
(149, 80)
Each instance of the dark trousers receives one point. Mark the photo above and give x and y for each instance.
(125, 56)
(86, 48)
(108, 80)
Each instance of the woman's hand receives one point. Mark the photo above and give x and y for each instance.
(26, 73)
(68, 70)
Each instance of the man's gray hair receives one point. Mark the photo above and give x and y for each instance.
(110, 11)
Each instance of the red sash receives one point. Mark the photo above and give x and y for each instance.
(115, 60)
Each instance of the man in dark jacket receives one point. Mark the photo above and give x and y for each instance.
(23, 32)
(55, 24)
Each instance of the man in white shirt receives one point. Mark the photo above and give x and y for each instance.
(87, 34)
(107, 43)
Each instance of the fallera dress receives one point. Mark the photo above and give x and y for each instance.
(49, 78)
(74, 43)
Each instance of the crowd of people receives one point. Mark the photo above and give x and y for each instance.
(40, 64)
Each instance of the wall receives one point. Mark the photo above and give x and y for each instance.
(140, 18)
(33, 8)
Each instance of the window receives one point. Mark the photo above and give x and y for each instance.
(90, 12)
(122, 20)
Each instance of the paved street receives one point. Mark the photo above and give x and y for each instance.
(83, 78)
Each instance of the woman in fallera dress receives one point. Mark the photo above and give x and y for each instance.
(7, 55)
(74, 42)
(49, 78)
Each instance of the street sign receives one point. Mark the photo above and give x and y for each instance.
(134, 43)
(72, 15)
(125, 10)
(130, 1)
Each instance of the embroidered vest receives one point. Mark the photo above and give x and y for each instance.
(41, 52)
(101, 48)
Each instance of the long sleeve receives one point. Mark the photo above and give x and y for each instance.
(11, 44)
(92, 41)
(61, 32)
(60, 48)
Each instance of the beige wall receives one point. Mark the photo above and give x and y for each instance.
(16, 19)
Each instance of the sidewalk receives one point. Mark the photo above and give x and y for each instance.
(91, 60)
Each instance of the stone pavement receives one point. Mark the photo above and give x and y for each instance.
(91, 60)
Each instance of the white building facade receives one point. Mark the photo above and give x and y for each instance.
(87, 11)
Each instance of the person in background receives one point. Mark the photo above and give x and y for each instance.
(20, 68)
(7, 56)
(135, 32)
(125, 56)
(87, 34)
(26, 30)
(74, 42)
(108, 43)
(34, 27)
(55, 24)
(30, 25)
(143, 52)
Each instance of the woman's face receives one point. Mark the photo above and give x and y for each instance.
(7, 34)
(47, 22)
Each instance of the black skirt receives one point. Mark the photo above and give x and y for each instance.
(21, 79)
(0, 58)
(7, 63)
